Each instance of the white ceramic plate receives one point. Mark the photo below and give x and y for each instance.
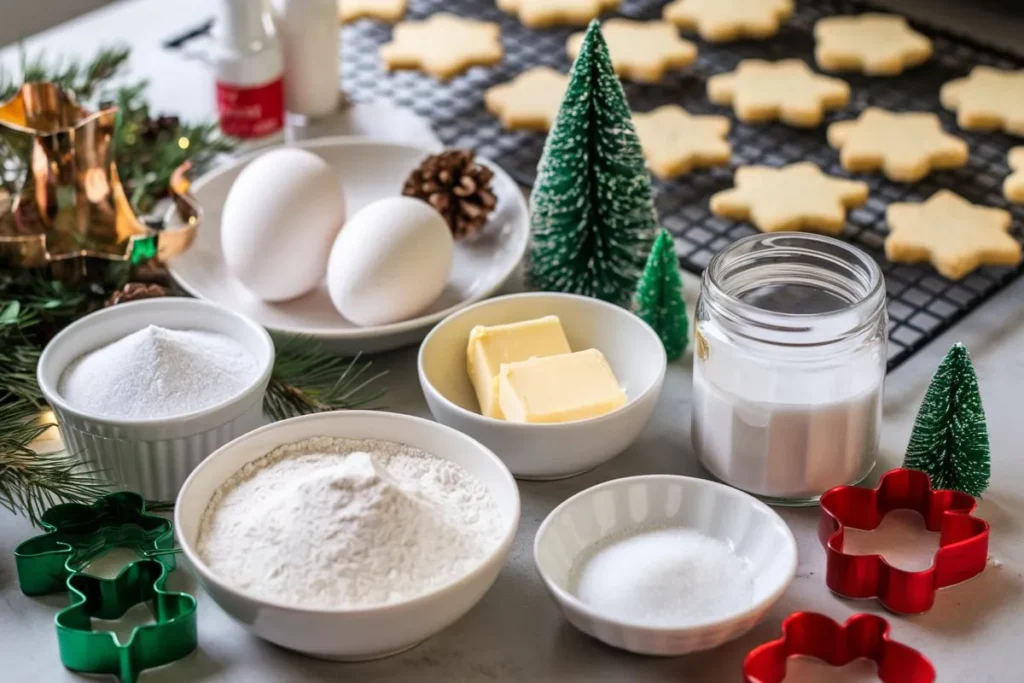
(369, 170)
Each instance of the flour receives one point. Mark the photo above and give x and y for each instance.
(663, 577)
(158, 373)
(342, 523)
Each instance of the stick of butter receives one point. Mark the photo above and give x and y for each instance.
(489, 347)
(564, 388)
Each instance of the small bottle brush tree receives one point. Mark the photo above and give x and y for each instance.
(659, 296)
(592, 208)
(950, 438)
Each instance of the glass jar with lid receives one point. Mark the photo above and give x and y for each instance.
(789, 364)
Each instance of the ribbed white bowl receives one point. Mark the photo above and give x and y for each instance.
(154, 457)
(716, 510)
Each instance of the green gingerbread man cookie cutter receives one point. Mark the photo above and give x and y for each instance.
(75, 535)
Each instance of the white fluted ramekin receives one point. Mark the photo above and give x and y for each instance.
(154, 456)
(755, 531)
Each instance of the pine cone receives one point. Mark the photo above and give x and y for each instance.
(458, 187)
(136, 291)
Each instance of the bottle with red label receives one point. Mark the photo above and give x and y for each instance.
(249, 72)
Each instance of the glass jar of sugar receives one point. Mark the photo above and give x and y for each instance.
(789, 363)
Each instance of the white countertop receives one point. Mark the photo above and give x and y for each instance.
(516, 633)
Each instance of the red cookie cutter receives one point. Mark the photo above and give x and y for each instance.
(963, 540)
(815, 635)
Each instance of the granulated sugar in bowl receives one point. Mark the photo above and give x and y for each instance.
(144, 391)
(348, 535)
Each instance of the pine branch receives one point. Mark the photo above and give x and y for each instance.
(309, 379)
(31, 482)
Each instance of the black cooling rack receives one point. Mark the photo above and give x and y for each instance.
(922, 304)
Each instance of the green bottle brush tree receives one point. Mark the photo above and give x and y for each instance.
(950, 437)
(659, 296)
(592, 208)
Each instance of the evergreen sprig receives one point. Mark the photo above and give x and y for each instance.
(31, 482)
(308, 378)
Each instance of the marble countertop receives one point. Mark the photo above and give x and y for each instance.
(516, 633)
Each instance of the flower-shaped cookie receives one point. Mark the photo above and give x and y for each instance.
(641, 50)
(443, 46)
(530, 101)
(963, 540)
(795, 197)
(988, 99)
(78, 533)
(786, 90)
(720, 21)
(545, 13)
(874, 44)
(955, 235)
(382, 10)
(906, 146)
(1013, 186)
(808, 634)
(675, 141)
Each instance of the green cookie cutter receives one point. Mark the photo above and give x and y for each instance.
(75, 535)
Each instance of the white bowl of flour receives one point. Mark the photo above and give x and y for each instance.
(348, 535)
(144, 391)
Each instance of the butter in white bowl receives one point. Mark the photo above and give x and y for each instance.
(490, 347)
(562, 388)
(527, 372)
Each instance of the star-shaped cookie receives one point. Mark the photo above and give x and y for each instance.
(444, 45)
(988, 99)
(906, 146)
(641, 50)
(955, 235)
(1013, 186)
(874, 44)
(795, 197)
(546, 13)
(719, 21)
(530, 101)
(674, 141)
(786, 90)
(382, 10)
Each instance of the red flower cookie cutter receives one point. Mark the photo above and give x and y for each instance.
(815, 635)
(963, 540)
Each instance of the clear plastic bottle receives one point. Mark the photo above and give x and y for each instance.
(309, 34)
(249, 72)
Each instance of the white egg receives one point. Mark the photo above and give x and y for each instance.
(279, 220)
(390, 261)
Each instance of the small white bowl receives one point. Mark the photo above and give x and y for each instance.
(716, 510)
(154, 456)
(547, 451)
(349, 634)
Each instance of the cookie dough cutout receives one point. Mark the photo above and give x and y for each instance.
(795, 197)
(381, 10)
(720, 21)
(530, 101)
(906, 146)
(955, 235)
(675, 141)
(641, 50)
(988, 99)
(874, 44)
(786, 90)
(1013, 186)
(443, 46)
(547, 13)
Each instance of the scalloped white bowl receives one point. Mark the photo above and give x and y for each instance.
(716, 510)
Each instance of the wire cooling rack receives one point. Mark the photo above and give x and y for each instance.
(922, 304)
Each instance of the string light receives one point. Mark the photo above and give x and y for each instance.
(183, 142)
